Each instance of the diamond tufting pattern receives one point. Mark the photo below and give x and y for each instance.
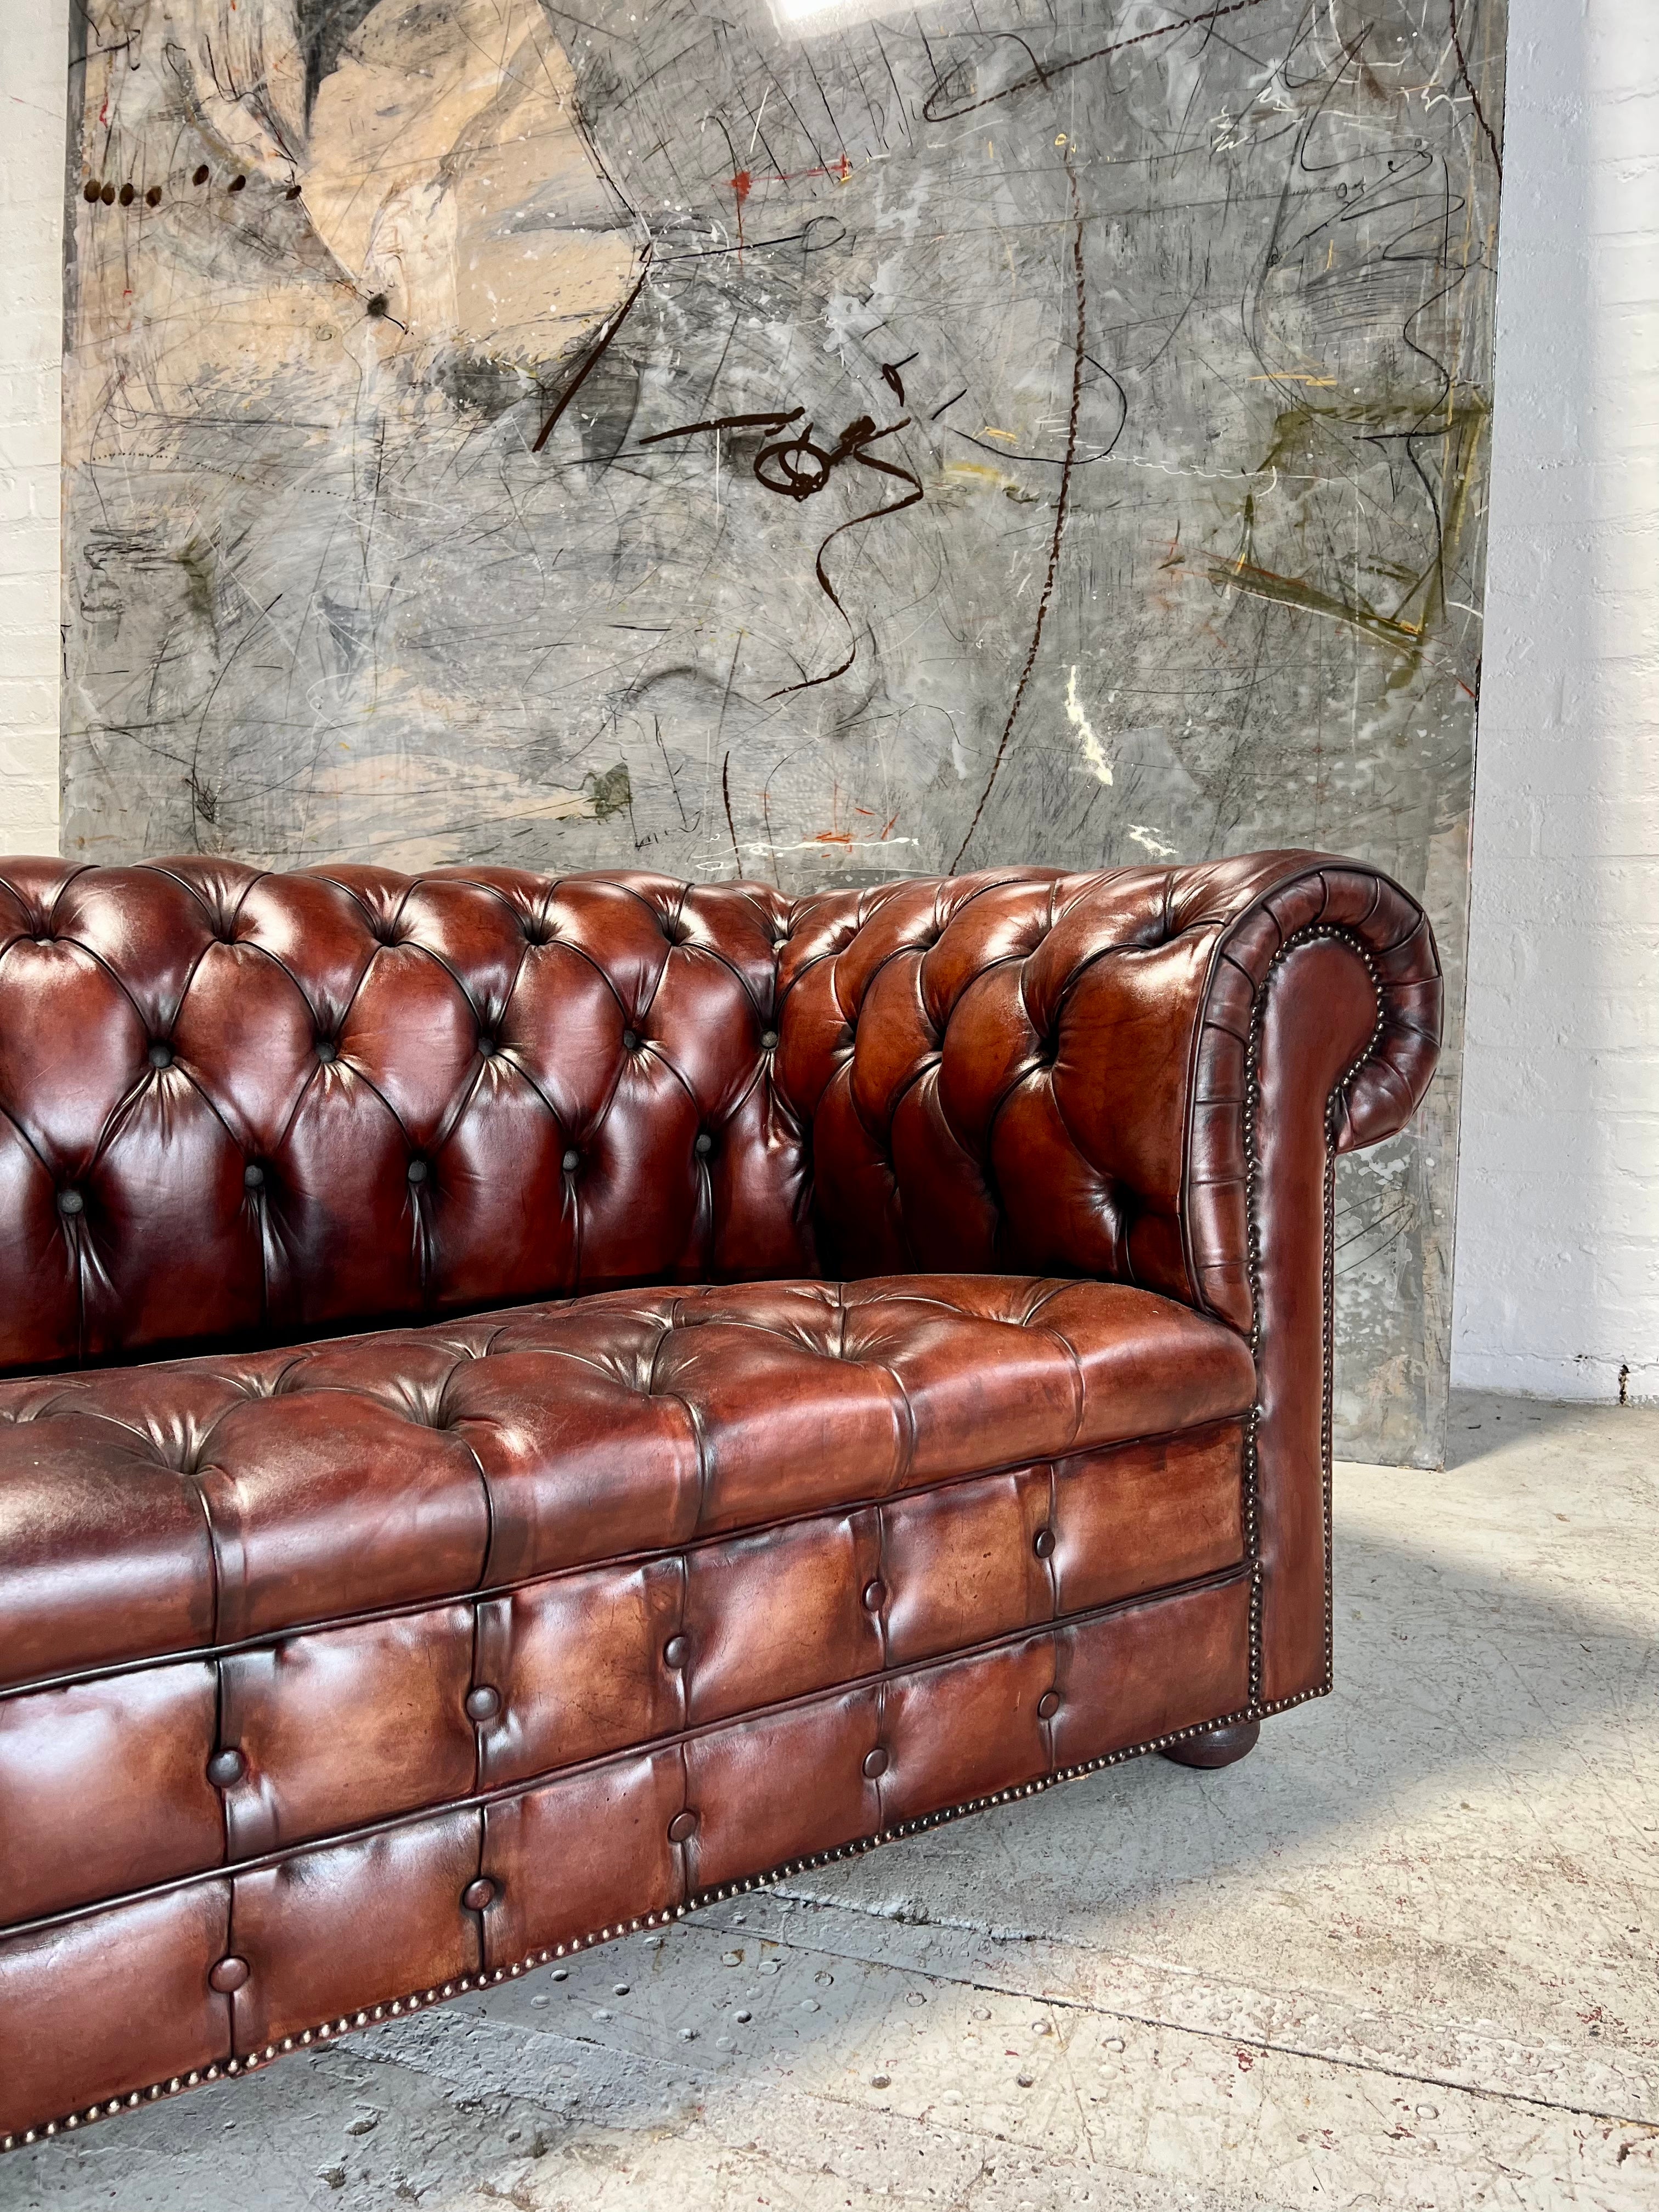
(820, 1365)
(244, 1106)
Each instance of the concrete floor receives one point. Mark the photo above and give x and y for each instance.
(1403, 1956)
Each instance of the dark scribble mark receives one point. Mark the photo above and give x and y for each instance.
(797, 467)
(204, 799)
(892, 380)
(803, 238)
(950, 402)
(1062, 503)
(725, 793)
(1480, 112)
(773, 421)
(1037, 75)
(725, 761)
(379, 310)
(595, 354)
(673, 780)
(1067, 459)
(854, 444)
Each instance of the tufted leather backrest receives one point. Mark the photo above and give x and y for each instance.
(237, 1105)
(244, 1106)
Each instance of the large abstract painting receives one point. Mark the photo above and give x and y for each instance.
(815, 442)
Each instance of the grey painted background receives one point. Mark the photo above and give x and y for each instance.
(1117, 488)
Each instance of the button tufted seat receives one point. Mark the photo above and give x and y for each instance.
(816, 1367)
(278, 1489)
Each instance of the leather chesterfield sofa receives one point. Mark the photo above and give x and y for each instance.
(532, 1403)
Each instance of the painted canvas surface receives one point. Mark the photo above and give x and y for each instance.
(815, 442)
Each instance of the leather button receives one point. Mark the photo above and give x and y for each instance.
(631, 1040)
(681, 1825)
(769, 1040)
(571, 1162)
(483, 1702)
(488, 1047)
(71, 1201)
(226, 1767)
(875, 1762)
(1043, 1543)
(875, 1596)
(677, 1651)
(253, 1176)
(1049, 1705)
(161, 1054)
(477, 1894)
(417, 1172)
(705, 1144)
(326, 1049)
(228, 1974)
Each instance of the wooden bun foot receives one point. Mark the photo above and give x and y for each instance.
(1216, 1746)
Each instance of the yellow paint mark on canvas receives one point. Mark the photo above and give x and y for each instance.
(1011, 436)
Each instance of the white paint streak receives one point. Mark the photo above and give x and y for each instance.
(1094, 753)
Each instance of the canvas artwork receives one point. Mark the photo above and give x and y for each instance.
(813, 442)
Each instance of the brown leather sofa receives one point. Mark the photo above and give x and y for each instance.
(909, 1386)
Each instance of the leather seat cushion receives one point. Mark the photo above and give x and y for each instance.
(189, 1504)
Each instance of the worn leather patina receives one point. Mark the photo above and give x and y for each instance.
(534, 1402)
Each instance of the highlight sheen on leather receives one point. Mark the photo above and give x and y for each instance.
(506, 1374)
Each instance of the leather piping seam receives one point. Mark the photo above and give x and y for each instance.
(1313, 933)
(419, 2000)
(674, 1740)
(434, 1600)
(1322, 866)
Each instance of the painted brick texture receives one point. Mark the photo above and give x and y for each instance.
(1558, 1260)
(34, 56)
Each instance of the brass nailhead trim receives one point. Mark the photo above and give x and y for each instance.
(1253, 1262)
(660, 1919)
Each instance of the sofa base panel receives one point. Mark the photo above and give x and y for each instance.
(330, 2031)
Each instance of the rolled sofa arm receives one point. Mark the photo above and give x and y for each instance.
(1028, 1069)
(1143, 1075)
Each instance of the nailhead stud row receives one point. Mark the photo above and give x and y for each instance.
(329, 2030)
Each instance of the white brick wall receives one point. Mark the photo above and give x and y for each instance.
(1557, 1269)
(33, 59)
(1558, 1260)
